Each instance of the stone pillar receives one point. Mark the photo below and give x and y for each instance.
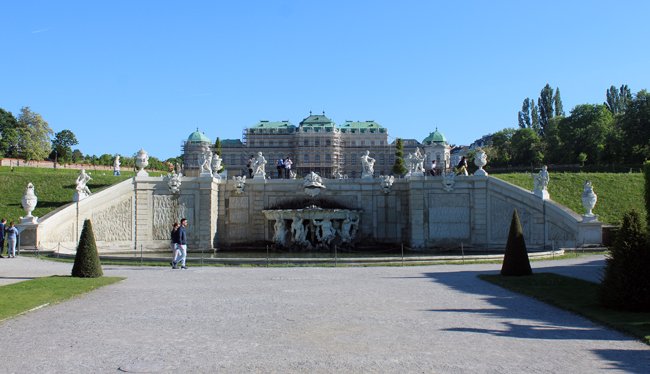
(143, 210)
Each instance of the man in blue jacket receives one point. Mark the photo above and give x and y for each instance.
(2, 236)
(181, 254)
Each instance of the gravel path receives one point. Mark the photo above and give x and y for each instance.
(312, 320)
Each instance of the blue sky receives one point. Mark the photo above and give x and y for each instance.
(125, 75)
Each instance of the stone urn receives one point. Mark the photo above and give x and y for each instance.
(480, 160)
(141, 162)
(589, 199)
(29, 204)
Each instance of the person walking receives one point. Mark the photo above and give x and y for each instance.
(174, 242)
(12, 236)
(2, 236)
(181, 253)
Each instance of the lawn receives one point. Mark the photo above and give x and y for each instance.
(53, 187)
(21, 297)
(578, 296)
(617, 192)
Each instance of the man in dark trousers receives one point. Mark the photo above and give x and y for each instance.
(181, 253)
(2, 236)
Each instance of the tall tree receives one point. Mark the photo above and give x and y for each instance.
(617, 100)
(8, 134)
(523, 116)
(534, 117)
(526, 147)
(398, 167)
(557, 101)
(62, 145)
(545, 105)
(635, 125)
(35, 133)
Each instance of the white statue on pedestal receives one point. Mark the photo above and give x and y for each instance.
(216, 165)
(205, 164)
(368, 164)
(589, 199)
(29, 204)
(116, 165)
(540, 183)
(259, 166)
(82, 189)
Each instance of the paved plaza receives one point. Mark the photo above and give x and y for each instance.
(419, 319)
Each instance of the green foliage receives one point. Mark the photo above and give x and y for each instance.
(617, 193)
(586, 130)
(545, 106)
(20, 297)
(523, 116)
(9, 134)
(618, 100)
(626, 283)
(646, 189)
(54, 187)
(578, 296)
(582, 158)
(515, 260)
(635, 126)
(217, 150)
(557, 102)
(34, 136)
(526, 146)
(86, 261)
(399, 168)
(62, 145)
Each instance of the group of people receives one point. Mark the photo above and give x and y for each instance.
(179, 244)
(284, 167)
(460, 169)
(8, 233)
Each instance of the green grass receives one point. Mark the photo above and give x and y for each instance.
(578, 296)
(20, 297)
(617, 192)
(53, 187)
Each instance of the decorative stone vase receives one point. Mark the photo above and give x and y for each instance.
(480, 160)
(141, 162)
(29, 204)
(589, 199)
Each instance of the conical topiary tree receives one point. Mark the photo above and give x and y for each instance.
(515, 260)
(86, 261)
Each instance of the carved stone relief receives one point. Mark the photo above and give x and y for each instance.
(449, 216)
(169, 209)
(500, 217)
(115, 222)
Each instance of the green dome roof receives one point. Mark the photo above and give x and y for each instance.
(198, 137)
(435, 137)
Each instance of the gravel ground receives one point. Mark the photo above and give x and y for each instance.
(428, 319)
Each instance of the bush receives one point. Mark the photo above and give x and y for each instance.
(646, 174)
(86, 261)
(626, 281)
(515, 260)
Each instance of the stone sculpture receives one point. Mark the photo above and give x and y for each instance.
(480, 160)
(540, 183)
(259, 166)
(448, 181)
(141, 162)
(116, 165)
(205, 164)
(298, 232)
(240, 182)
(29, 204)
(368, 164)
(325, 232)
(349, 228)
(312, 184)
(82, 189)
(386, 182)
(216, 165)
(174, 182)
(280, 232)
(589, 199)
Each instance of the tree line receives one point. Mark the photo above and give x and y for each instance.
(29, 137)
(614, 132)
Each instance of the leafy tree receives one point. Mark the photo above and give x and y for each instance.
(398, 167)
(77, 156)
(86, 261)
(62, 144)
(582, 158)
(515, 260)
(500, 149)
(553, 144)
(545, 105)
(557, 101)
(526, 147)
(34, 133)
(534, 117)
(524, 115)
(635, 125)
(8, 134)
(586, 130)
(618, 100)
